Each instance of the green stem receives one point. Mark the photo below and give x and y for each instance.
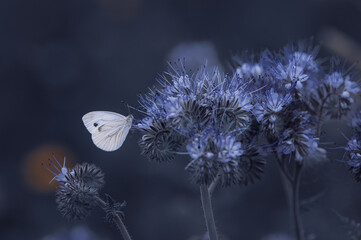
(296, 203)
(117, 220)
(208, 212)
(291, 183)
(214, 184)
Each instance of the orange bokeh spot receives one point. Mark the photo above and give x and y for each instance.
(35, 175)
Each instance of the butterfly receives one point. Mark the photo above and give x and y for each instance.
(108, 129)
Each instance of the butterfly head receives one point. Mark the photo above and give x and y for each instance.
(130, 119)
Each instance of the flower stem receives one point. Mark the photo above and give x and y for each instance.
(214, 184)
(208, 212)
(291, 183)
(117, 220)
(296, 203)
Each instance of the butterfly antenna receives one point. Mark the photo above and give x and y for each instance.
(131, 107)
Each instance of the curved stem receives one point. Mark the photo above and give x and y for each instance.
(117, 220)
(291, 184)
(214, 184)
(318, 128)
(296, 203)
(208, 212)
(283, 168)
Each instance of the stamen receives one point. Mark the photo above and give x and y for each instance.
(52, 164)
(190, 163)
(56, 160)
(42, 164)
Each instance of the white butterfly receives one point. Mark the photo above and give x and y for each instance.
(108, 129)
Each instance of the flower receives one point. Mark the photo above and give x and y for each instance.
(203, 152)
(297, 143)
(75, 199)
(356, 119)
(56, 169)
(277, 237)
(75, 233)
(91, 175)
(159, 142)
(270, 109)
(252, 165)
(334, 96)
(249, 70)
(77, 193)
(295, 66)
(353, 157)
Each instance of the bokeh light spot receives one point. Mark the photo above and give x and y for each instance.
(35, 175)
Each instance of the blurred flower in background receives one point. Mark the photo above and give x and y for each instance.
(75, 233)
(196, 54)
(278, 236)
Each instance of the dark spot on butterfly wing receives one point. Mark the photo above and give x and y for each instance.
(95, 124)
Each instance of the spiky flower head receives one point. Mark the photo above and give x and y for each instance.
(75, 199)
(78, 192)
(295, 66)
(214, 154)
(271, 108)
(159, 141)
(356, 120)
(353, 157)
(334, 96)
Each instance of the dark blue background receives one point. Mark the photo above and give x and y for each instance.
(60, 59)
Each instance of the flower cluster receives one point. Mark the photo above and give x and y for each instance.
(335, 95)
(206, 115)
(293, 94)
(353, 149)
(284, 96)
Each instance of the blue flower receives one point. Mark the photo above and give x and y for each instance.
(248, 66)
(295, 66)
(228, 148)
(270, 109)
(203, 152)
(291, 74)
(353, 157)
(297, 143)
(76, 233)
(356, 119)
(214, 154)
(247, 70)
(342, 84)
(173, 107)
(57, 170)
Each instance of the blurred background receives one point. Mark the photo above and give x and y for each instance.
(60, 59)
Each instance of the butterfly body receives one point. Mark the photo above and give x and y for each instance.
(108, 129)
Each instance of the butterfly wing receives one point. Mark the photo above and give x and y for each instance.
(108, 129)
(94, 120)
